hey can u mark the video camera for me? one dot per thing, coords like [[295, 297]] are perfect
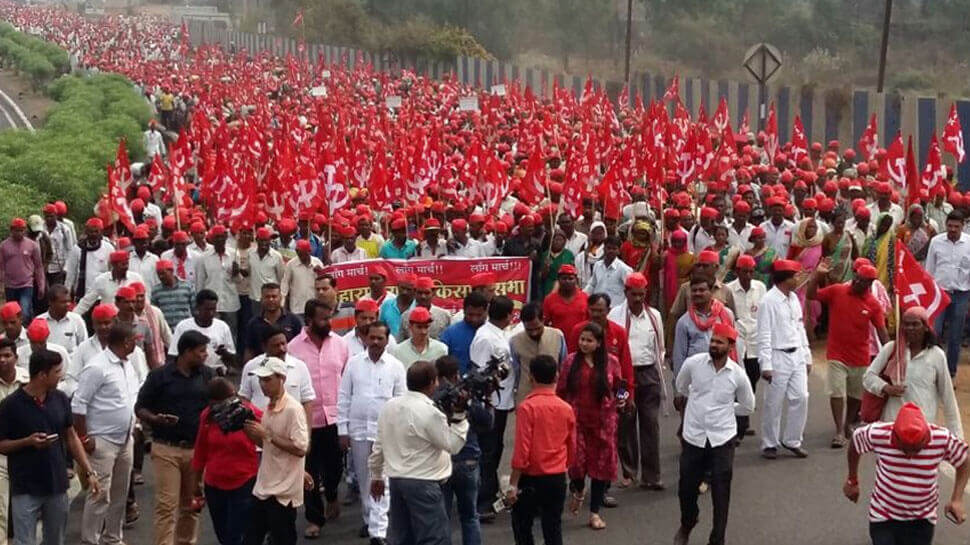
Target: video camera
[[230, 414], [478, 384]]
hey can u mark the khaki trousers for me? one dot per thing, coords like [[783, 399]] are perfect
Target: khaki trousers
[[175, 524]]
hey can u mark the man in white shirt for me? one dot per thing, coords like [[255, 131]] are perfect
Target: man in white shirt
[[370, 379], [107, 283], [141, 260], [574, 239], [412, 450], [154, 143], [298, 277], [298, 382], [222, 349], [216, 270], [460, 244], [884, 204], [707, 386], [88, 258], [778, 230], [265, 264], [748, 293], [645, 332], [67, 327], [365, 313], [948, 260], [491, 342], [348, 250], [38, 333], [104, 417], [609, 274], [182, 258], [785, 360]]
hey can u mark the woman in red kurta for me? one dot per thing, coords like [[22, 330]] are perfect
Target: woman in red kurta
[[591, 382]]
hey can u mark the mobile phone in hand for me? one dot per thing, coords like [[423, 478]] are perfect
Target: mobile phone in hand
[[51, 437]]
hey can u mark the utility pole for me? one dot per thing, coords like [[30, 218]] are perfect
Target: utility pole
[[885, 45], [629, 31]]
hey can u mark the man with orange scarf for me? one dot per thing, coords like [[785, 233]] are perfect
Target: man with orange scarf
[[692, 334]]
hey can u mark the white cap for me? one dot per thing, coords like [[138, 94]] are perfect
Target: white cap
[[270, 366]]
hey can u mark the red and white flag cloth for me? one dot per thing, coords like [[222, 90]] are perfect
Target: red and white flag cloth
[[916, 287], [894, 167], [953, 136], [771, 134], [934, 173], [673, 92], [799, 143], [869, 141]]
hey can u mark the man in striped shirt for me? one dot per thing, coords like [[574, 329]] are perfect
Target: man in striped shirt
[[905, 498], [174, 297]]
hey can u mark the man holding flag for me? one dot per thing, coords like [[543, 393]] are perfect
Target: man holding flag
[[948, 262]]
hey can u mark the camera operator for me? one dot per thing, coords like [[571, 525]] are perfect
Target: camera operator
[[229, 461], [171, 401], [465, 475], [414, 441], [491, 342]]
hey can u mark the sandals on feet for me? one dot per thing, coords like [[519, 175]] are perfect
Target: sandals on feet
[[596, 523]]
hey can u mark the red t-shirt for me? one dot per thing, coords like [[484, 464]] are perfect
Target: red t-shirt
[[850, 316], [229, 459], [564, 315], [545, 433]]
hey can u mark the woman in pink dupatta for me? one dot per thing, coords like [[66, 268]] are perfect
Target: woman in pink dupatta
[[806, 248]]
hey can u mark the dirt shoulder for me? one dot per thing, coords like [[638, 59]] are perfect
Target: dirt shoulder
[[34, 104]]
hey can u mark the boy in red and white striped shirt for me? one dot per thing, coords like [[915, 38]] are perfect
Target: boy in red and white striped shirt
[[905, 498]]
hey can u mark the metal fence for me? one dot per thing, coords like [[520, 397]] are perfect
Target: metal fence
[[827, 114]]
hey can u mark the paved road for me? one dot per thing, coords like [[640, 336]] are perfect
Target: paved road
[[10, 118], [786, 501]]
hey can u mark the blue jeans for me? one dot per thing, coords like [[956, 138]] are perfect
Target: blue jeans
[[24, 296], [953, 318], [26, 510], [463, 485], [230, 511]]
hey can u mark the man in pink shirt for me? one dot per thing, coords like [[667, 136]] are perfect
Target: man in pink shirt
[[21, 268], [325, 354]]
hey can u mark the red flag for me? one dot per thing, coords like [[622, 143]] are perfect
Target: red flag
[[722, 117], [869, 141], [799, 144], [916, 287], [533, 187], [934, 173], [914, 188], [745, 128], [298, 20], [673, 92], [771, 134], [118, 200], [122, 167], [894, 167], [159, 175], [378, 184], [953, 136]]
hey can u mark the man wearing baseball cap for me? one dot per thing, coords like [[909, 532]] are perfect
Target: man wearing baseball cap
[[419, 345], [854, 311], [21, 268], [107, 283]]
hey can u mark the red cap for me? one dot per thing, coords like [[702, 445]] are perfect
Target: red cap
[[527, 221], [672, 213], [263, 233], [18, 223], [862, 212], [399, 223], [502, 228], [708, 257], [867, 272], [860, 262], [125, 292], [61, 207], [366, 305], [217, 231], [141, 233], [744, 262], [910, 429], [709, 213], [476, 218], [144, 193], [809, 204], [180, 237], [9, 310], [725, 331], [432, 223], [826, 205], [635, 280], [104, 311], [567, 269], [757, 232], [137, 205], [94, 223], [424, 283], [419, 315], [138, 287], [742, 207], [286, 226], [481, 280], [409, 279], [787, 265], [168, 222], [303, 245], [38, 330], [197, 227], [50, 208], [118, 256], [164, 264], [459, 224], [883, 188]]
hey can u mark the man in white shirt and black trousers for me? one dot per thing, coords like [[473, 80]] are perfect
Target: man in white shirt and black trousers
[[415, 441], [707, 387]]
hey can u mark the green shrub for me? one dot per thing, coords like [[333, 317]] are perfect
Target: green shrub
[[18, 201]]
